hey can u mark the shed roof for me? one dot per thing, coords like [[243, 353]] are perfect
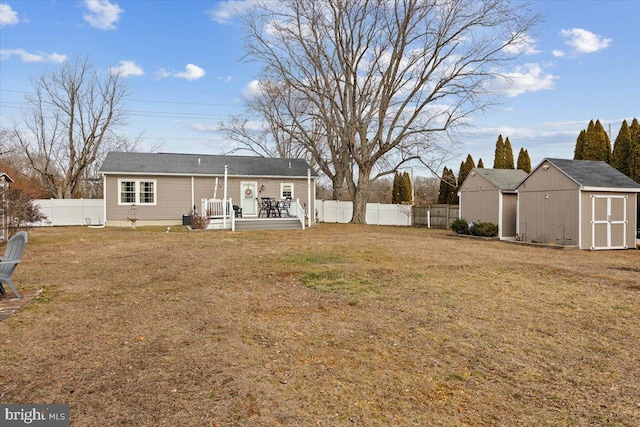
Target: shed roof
[[503, 179], [594, 174], [202, 164]]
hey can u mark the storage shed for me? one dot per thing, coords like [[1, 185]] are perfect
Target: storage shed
[[489, 195], [578, 202]]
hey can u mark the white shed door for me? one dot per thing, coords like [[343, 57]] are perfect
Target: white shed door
[[608, 222]]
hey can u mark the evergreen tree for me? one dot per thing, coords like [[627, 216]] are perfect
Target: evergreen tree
[[480, 164], [406, 188], [498, 158], [465, 168], [622, 150], [604, 143], [396, 197], [634, 158], [580, 144], [447, 194], [508, 155], [596, 144], [524, 162], [444, 190], [634, 130]]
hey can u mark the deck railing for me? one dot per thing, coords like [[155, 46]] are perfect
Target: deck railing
[[219, 209], [299, 212]]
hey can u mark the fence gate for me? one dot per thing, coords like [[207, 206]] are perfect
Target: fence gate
[[608, 222], [435, 216]]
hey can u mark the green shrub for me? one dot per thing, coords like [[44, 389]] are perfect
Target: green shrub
[[460, 226], [484, 229]]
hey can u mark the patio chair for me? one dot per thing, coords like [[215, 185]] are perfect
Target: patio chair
[[285, 206], [12, 254]]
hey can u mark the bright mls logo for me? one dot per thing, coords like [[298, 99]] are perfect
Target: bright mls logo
[[35, 415]]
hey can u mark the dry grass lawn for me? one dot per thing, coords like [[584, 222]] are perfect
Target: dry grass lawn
[[339, 325]]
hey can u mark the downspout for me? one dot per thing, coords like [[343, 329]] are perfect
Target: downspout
[[224, 215], [193, 193], [104, 203]]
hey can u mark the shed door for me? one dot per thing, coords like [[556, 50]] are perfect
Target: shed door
[[608, 222]]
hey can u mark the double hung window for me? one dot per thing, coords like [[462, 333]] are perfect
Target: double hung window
[[139, 192]]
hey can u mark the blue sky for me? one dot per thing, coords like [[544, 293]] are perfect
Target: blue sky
[[182, 63]]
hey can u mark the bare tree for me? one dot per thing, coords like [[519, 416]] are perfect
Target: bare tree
[[70, 124], [387, 80]]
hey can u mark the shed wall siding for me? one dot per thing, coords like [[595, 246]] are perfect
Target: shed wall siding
[[478, 200], [549, 216], [547, 180], [479, 206]]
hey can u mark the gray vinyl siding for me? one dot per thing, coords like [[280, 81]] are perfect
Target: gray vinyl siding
[[176, 196], [479, 200]]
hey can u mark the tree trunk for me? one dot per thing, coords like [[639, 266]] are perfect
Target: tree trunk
[[360, 193]]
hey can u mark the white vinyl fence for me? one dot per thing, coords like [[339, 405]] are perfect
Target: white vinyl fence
[[70, 211], [377, 213], [91, 211]]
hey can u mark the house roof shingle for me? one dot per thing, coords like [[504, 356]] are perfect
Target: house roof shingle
[[590, 173], [503, 179], [202, 164]]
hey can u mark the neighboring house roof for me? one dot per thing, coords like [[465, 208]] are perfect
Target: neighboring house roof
[[202, 164], [594, 174], [503, 179], [6, 177]]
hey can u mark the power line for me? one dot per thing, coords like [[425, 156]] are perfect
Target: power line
[[152, 101]]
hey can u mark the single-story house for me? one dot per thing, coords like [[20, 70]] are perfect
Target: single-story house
[[163, 188], [584, 203], [489, 195]]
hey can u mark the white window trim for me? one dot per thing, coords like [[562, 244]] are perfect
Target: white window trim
[[137, 192], [282, 184]]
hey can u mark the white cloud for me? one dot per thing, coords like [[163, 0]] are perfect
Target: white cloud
[[192, 72], [162, 73], [7, 15], [524, 44], [583, 41], [225, 11], [25, 56], [127, 68], [102, 14], [527, 78], [557, 53], [252, 90]]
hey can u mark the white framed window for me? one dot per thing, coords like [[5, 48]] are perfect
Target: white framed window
[[138, 191], [286, 190]]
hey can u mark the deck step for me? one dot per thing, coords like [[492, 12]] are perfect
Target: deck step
[[245, 224]]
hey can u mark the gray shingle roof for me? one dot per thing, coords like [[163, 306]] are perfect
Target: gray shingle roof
[[503, 179], [589, 173], [202, 164]]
